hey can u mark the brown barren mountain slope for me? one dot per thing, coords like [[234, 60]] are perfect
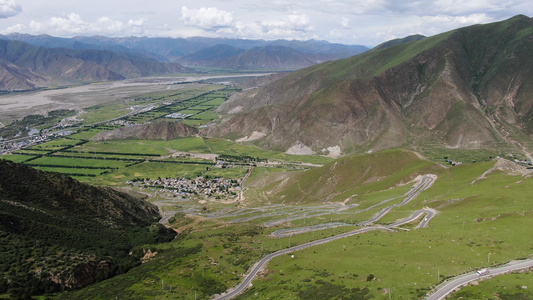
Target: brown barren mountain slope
[[468, 88], [159, 130]]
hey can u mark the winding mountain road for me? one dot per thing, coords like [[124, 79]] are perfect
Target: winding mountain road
[[463, 280], [424, 183]]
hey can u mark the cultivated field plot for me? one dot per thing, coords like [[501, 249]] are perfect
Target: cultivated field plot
[[190, 144], [77, 173], [35, 152], [57, 144], [225, 147], [126, 148], [192, 106], [153, 170], [155, 103], [17, 157], [52, 161], [86, 134]]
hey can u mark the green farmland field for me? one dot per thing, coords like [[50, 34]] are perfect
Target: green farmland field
[[121, 147], [78, 162]]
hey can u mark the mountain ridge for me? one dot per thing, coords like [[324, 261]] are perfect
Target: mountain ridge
[[29, 67], [196, 51], [438, 90]]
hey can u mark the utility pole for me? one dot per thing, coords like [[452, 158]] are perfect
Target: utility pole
[[488, 259]]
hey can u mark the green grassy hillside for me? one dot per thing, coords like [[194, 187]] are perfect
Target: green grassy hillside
[[57, 233], [344, 178], [481, 221]]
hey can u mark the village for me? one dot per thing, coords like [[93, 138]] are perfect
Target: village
[[201, 186], [7, 147]]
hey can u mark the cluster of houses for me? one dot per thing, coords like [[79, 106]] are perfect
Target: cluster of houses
[[137, 109], [8, 147], [123, 123], [178, 116], [201, 186]]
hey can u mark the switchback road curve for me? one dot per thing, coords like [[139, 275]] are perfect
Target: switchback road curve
[[424, 183]]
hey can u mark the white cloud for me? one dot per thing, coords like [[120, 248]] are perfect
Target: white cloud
[[8, 8], [293, 26], [345, 22], [137, 23], [298, 21], [35, 26], [326, 19], [15, 28], [71, 24], [106, 24], [206, 17], [461, 20]]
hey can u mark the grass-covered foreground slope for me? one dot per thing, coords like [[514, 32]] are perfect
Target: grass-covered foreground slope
[[343, 180], [479, 212], [57, 233], [484, 219]]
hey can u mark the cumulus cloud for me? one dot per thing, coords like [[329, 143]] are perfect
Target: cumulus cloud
[[106, 24], [206, 17], [137, 26], [298, 21], [292, 26], [73, 24], [69, 24], [137, 23], [15, 28], [9, 8]]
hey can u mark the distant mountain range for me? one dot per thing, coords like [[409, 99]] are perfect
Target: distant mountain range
[[26, 67], [467, 88], [28, 62]]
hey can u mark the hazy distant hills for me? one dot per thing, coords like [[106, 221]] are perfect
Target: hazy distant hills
[[207, 52], [277, 55], [25, 67], [467, 88], [259, 58]]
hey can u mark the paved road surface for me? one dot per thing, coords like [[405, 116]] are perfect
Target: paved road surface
[[424, 183], [462, 280]]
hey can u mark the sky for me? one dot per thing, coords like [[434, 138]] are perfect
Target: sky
[[355, 22]]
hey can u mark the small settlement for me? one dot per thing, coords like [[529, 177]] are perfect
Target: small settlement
[[201, 186]]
